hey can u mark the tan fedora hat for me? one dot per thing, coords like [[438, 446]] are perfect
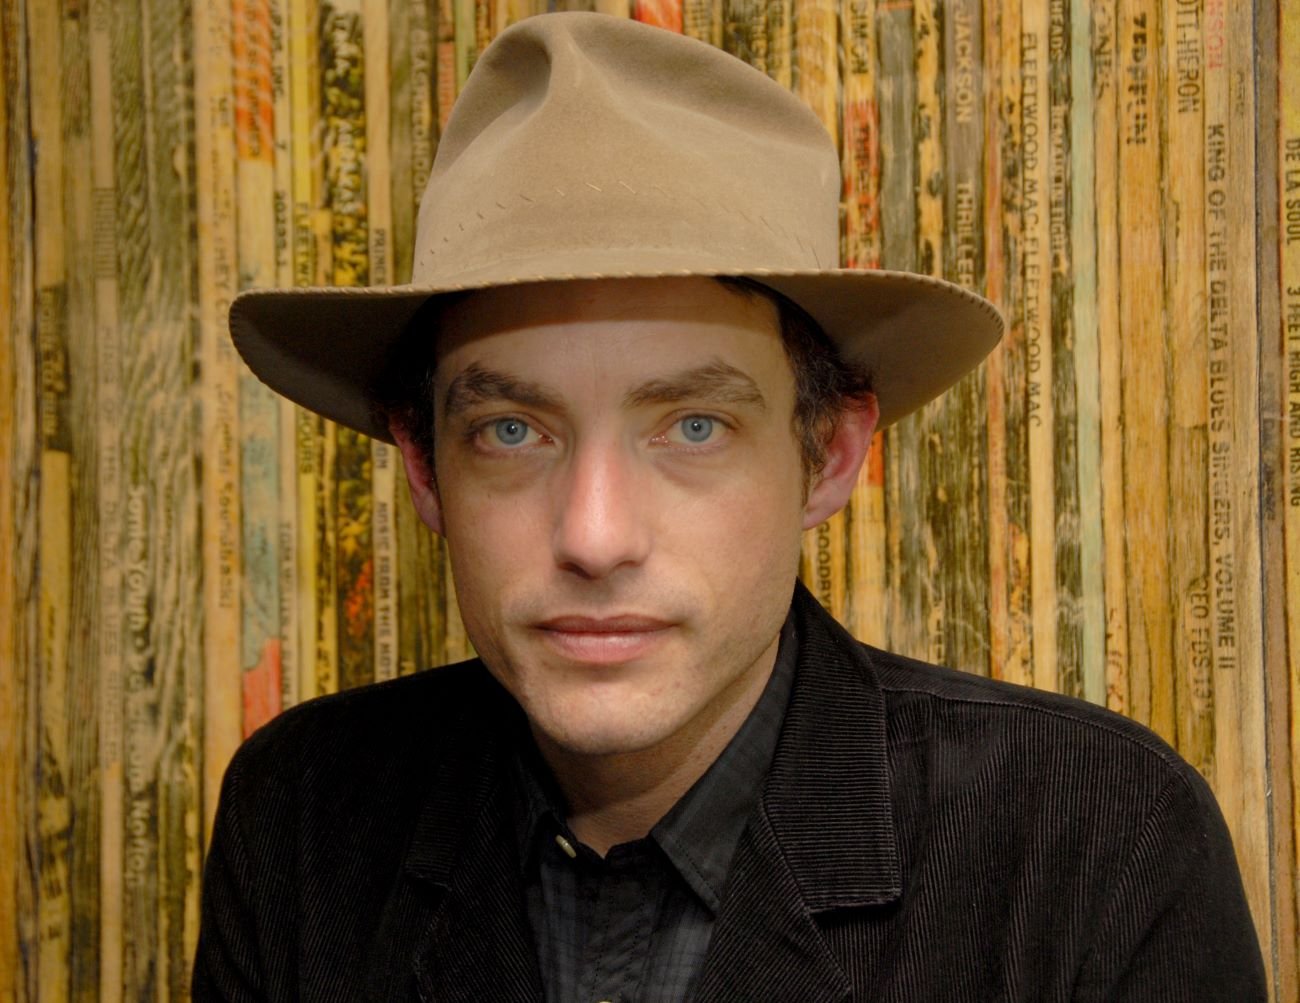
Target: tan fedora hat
[[591, 146]]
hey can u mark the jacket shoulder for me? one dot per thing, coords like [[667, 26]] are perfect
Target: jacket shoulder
[[383, 737], [1022, 739]]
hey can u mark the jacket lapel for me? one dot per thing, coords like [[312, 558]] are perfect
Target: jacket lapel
[[474, 941], [823, 837]]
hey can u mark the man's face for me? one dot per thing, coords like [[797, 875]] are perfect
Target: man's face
[[621, 492]]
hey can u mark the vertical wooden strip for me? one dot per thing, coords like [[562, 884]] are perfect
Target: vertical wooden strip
[[54, 905], [343, 72], [1145, 397], [109, 402], [1233, 356], [84, 670], [1063, 391], [1279, 784], [219, 389], [779, 29], [816, 51], [183, 612], [995, 285], [311, 265], [447, 80], [417, 575], [286, 242], [815, 78], [1184, 299], [1272, 368], [703, 19], [1286, 705], [19, 459], [745, 31], [163, 555], [259, 409], [1083, 240], [860, 167], [1106, 96], [929, 139], [1009, 494], [1037, 313], [383, 461], [465, 38], [897, 96], [142, 915]]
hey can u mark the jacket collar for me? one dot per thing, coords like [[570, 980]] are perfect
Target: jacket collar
[[822, 838], [828, 795]]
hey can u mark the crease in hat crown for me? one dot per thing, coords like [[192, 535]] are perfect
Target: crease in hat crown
[[591, 146], [579, 147]]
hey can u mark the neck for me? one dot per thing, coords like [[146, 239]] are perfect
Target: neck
[[618, 797]]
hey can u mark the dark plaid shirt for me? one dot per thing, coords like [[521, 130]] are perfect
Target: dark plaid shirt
[[636, 925]]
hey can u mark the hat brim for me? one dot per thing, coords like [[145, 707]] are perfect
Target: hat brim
[[327, 348]]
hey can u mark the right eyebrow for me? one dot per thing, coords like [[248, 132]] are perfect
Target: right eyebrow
[[477, 384]]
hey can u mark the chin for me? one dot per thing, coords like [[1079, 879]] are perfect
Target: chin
[[600, 733]]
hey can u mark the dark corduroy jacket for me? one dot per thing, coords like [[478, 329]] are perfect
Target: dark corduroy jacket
[[923, 835]]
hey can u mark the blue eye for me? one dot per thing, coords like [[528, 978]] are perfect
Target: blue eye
[[510, 431], [696, 428]]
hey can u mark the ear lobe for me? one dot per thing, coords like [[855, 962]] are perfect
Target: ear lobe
[[845, 453], [420, 478]]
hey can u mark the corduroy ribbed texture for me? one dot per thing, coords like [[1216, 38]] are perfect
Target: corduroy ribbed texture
[[923, 835]]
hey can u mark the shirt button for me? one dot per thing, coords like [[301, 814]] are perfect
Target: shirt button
[[569, 851]]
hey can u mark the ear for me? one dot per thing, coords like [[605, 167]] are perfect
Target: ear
[[845, 453], [419, 475]]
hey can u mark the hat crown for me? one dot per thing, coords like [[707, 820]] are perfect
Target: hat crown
[[589, 144]]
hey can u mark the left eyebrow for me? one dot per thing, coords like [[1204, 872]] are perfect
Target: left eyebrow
[[714, 382]]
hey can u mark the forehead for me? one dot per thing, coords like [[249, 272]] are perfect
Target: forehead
[[608, 326]]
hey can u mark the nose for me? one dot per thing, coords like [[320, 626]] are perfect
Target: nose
[[600, 522]]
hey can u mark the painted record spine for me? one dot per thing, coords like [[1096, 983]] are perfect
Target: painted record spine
[[1144, 394], [665, 14], [219, 399], [259, 408], [161, 444], [932, 587], [959, 493], [1247, 728], [897, 103], [19, 466], [350, 507], [44, 431], [1272, 405], [286, 243], [82, 428], [703, 19], [745, 31], [814, 77], [1287, 748], [1036, 293], [379, 212], [1184, 306]]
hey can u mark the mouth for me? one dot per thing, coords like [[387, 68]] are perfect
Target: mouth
[[603, 640]]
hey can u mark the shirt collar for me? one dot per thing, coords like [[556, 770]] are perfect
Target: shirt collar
[[700, 833]]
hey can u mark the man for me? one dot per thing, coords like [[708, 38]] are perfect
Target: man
[[626, 378]]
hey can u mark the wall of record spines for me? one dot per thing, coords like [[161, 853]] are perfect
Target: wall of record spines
[[1110, 507]]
